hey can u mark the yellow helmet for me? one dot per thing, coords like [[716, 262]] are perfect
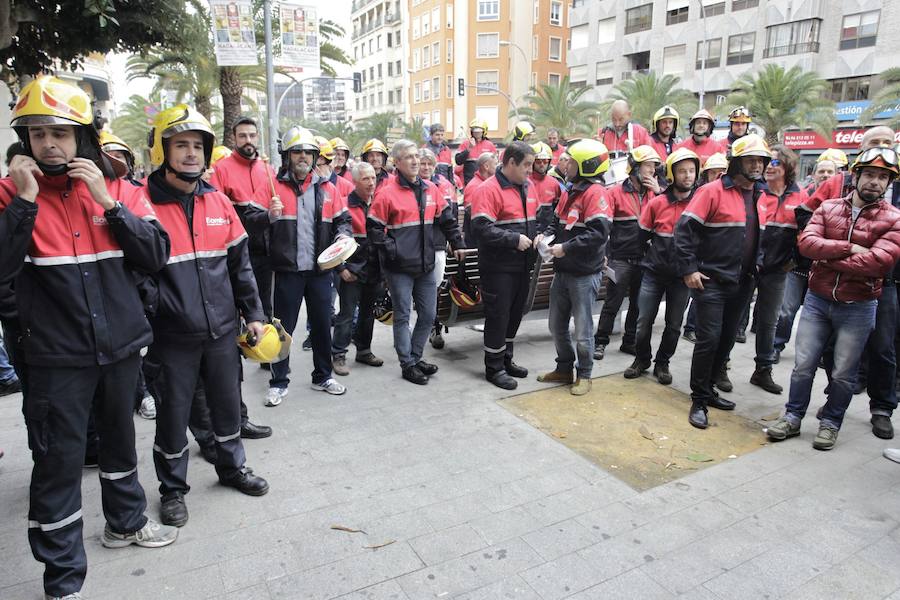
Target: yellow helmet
[[110, 142], [326, 150], [702, 114], [339, 144], [51, 101], [749, 145], [678, 156], [838, 157], [218, 153], [298, 138], [521, 131], [174, 120], [666, 112], [739, 115], [591, 156], [542, 151], [374, 145], [715, 161], [273, 346], [642, 154], [477, 123]]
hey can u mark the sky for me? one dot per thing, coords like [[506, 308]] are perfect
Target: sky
[[334, 10]]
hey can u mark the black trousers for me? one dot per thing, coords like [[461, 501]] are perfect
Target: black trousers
[[627, 285], [503, 295], [200, 422], [262, 271], [57, 407], [174, 368]]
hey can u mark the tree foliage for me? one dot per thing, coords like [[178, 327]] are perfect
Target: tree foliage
[[560, 106], [779, 99], [133, 123], [885, 99], [377, 125], [646, 93]]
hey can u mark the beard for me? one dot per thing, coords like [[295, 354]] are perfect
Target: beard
[[300, 171], [247, 150], [870, 195]]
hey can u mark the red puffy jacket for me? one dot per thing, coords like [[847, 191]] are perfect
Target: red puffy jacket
[[838, 274]]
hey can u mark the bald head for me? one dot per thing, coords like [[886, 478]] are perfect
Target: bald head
[[880, 136], [620, 114]]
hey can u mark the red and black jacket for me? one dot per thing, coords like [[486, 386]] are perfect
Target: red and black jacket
[[466, 156], [248, 184], [501, 212], [468, 195], [836, 186], [548, 193], [557, 152], [364, 262], [625, 239], [710, 233], [664, 149], [704, 149], [343, 186], [332, 219], [658, 220], [581, 224], [448, 191], [444, 159], [208, 277], [401, 224], [72, 265], [617, 144], [778, 243]]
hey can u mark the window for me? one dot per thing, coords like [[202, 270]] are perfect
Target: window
[[397, 69], [606, 31], [639, 18], [436, 88], [850, 89], [859, 30], [436, 53], [677, 11], [379, 70], [535, 51], [389, 38], [711, 8], [740, 49], [488, 10], [391, 97], [397, 38], [416, 24], [553, 78], [491, 114], [674, 60], [487, 81], [378, 43], [578, 75], [792, 38], [426, 56], [449, 50], [370, 46], [533, 79], [742, 4], [380, 98], [713, 54], [426, 24], [426, 90], [355, 53], [555, 12], [357, 104], [449, 87], [555, 49], [436, 19], [390, 69], [580, 36], [487, 45], [363, 73], [416, 61], [372, 73], [436, 116], [604, 74], [449, 16]]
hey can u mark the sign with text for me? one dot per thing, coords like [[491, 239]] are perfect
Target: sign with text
[[233, 32], [840, 138], [299, 39], [850, 111]]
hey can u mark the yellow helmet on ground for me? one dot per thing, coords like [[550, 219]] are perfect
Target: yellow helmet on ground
[[715, 161], [838, 157], [174, 120], [326, 150], [477, 123], [882, 158], [111, 142], [642, 154], [678, 156], [218, 153], [542, 151], [339, 144], [51, 101], [273, 346], [374, 145], [666, 112], [740, 115], [521, 131], [591, 156]]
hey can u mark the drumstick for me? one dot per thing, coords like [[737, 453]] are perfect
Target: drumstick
[[265, 159]]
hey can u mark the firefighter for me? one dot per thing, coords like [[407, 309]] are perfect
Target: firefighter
[[700, 141], [325, 169], [195, 322], [738, 124], [473, 147], [556, 147], [546, 188], [71, 235], [622, 135], [523, 132], [116, 147], [375, 153], [441, 151], [665, 131], [341, 158], [485, 165], [714, 167], [504, 220]]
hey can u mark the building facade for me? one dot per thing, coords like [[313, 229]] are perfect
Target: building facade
[[499, 48], [378, 45]]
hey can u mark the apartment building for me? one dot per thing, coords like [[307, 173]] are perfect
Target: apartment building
[[377, 47], [499, 48]]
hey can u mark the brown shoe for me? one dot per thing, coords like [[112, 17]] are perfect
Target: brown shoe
[[339, 365], [369, 359], [556, 377], [581, 386]]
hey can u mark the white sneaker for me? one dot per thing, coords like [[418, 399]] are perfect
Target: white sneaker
[[892, 454], [275, 395], [329, 385], [148, 408], [151, 535], [75, 596]]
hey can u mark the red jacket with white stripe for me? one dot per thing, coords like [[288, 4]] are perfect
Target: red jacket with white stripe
[[448, 191], [466, 156], [73, 268], [557, 152], [248, 184], [364, 262], [342, 185], [705, 149], [658, 220], [548, 193], [625, 240], [581, 225], [501, 212], [208, 273], [778, 243], [619, 143], [662, 148]]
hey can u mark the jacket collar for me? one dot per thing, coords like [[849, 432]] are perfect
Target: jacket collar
[[240, 158], [161, 192], [506, 183], [670, 195], [436, 149], [355, 201], [412, 185], [758, 186]]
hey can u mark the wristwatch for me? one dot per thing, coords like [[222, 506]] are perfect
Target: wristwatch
[[114, 209]]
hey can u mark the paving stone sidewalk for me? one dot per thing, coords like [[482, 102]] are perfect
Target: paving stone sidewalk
[[467, 501]]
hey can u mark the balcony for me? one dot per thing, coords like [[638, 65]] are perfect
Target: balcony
[[631, 74], [790, 49]]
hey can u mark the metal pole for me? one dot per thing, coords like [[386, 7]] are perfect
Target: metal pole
[[496, 91], [270, 88], [703, 56]]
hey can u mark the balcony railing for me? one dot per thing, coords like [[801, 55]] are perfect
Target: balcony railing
[[633, 72], [791, 49]]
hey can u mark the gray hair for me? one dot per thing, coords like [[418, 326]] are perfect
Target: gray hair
[[401, 146], [361, 169], [483, 159], [426, 154]]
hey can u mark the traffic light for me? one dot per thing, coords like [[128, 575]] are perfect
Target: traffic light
[[357, 82], [462, 87]]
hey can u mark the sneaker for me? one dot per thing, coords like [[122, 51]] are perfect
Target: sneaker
[[882, 427], [151, 535], [10, 387], [75, 596], [307, 344], [275, 395], [599, 351], [690, 336], [636, 369], [436, 339], [826, 438], [782, 429], [148, 408], [329, 385], [662, 374], [556, 377], [762, 377], [581, 386], [339, 365], [892, 454]]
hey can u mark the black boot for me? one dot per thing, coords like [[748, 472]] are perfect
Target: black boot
[[514, 370], [662, 374], [762, 377], [246, 482], [721, 381], [636, 369], [502, 380]]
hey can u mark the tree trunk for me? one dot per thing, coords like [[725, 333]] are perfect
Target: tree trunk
[[204, 106], [231, 88]]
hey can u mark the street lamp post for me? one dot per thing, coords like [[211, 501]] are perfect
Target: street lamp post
[[497, 91], [517, 47]]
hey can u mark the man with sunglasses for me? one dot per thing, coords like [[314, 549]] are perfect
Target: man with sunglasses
[[855, 242]]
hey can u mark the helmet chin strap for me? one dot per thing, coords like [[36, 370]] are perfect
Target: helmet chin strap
[[187, 177], [52, 170]]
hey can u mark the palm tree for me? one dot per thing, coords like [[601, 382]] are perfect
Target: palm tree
[[885, 99], [561, 107], [133, 123], [646, 93], [779, 99], [328, 52], [377, 125]]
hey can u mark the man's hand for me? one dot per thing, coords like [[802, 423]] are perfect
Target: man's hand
[[695, 280], [255, 328], [86, 171], [276, 207], [22, 170], [524, 243], [347, 276], [557, 251], [471, 142], [651, 184], [857, 249], [537, 239], [460, 255]]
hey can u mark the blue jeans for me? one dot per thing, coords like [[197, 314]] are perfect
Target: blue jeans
[[851, 325], [653, 287], [7, 373], [406, 289], [882, 367], [571, 298], [769, 295], [795, 287]]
